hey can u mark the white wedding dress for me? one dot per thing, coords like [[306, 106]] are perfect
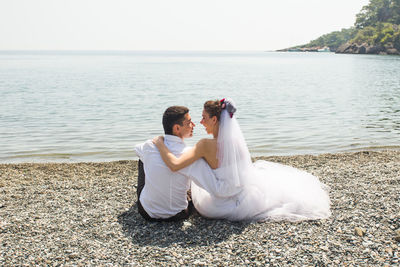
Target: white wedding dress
[[258, 191], [274, 192]]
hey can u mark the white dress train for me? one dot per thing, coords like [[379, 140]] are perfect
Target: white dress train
[[274, 192]]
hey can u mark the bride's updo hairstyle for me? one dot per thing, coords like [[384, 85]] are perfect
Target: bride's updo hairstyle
[[213, 108]]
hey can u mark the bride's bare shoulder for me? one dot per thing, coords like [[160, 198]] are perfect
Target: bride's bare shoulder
[[208, 146], [207, 142]]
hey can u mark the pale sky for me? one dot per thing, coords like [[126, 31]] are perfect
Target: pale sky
[[170, 24]]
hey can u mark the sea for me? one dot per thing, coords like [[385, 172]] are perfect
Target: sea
[[94, 106]]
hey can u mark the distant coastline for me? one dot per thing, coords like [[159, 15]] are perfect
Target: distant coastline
[[348, 48], [375, 31], [307, 49]]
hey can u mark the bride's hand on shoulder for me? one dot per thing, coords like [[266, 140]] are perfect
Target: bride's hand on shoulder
[[158, 140]]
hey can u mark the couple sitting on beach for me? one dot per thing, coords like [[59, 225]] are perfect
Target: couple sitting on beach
[[219, 174]]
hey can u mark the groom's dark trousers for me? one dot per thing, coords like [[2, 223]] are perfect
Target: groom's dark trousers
[[141, 182]]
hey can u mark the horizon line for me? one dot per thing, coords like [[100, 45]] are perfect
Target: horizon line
[[136, 50]]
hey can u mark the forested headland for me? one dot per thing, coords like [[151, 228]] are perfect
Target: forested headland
[[376, 31]]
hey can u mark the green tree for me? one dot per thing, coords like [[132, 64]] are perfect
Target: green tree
[[383, 34], [378, 11], [396, 40], [395, 10], [378, 23], [333, 40], [365, 35]]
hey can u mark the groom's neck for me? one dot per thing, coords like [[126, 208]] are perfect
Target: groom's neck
[[173, 134], [181, 137], [178, 135]]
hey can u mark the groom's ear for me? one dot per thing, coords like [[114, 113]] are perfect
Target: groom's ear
[[175, 129]]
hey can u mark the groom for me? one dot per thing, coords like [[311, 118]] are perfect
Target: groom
[[162, 194]]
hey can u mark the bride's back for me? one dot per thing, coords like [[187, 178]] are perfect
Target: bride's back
[[210, 151]]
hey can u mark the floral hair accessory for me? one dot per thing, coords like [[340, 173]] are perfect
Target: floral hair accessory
[[222, 101], [229, 105]]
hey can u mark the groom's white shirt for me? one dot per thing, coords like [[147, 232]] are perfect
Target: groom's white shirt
[[164, 192]]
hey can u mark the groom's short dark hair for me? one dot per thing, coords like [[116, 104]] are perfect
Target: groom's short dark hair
[[173, 115]]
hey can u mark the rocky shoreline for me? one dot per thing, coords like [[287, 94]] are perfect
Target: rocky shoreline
[[85, 214], [349, 48], [353, 48]]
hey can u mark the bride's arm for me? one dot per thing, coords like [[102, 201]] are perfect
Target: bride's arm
[[187, 158]]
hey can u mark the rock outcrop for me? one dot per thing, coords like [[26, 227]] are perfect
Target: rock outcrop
[[352, 48]]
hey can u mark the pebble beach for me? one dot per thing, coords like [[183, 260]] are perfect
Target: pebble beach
[[80, 214]]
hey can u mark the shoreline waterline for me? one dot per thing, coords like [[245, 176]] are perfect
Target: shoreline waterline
[[77, 158]]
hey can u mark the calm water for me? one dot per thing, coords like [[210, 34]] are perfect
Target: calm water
[[95, 106]]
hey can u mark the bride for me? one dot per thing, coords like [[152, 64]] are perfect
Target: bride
[[251, 191]]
